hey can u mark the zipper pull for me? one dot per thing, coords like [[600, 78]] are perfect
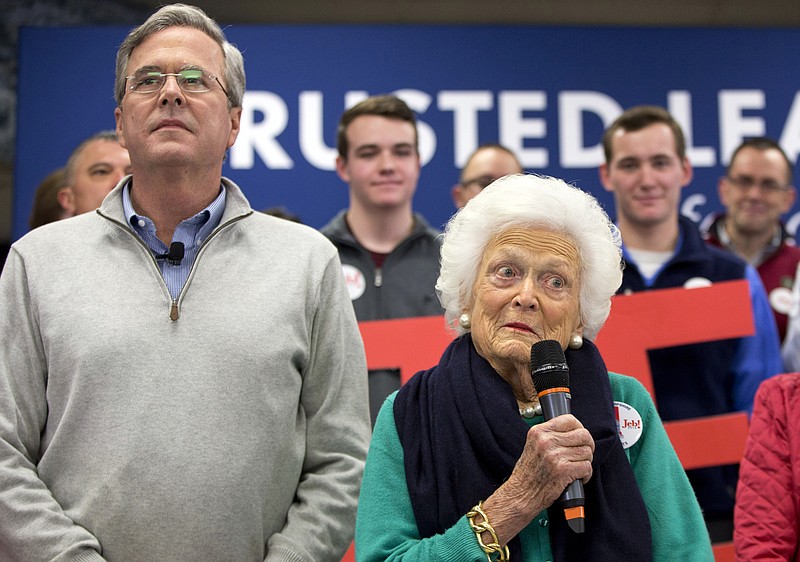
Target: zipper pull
[[174, 314], [378, 277]]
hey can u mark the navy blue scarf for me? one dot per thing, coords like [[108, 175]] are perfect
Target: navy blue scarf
[[462, 434]]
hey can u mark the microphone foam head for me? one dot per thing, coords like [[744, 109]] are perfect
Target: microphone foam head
[[548, 366]]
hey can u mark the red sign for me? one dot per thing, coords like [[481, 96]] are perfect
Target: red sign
[[638, 322]]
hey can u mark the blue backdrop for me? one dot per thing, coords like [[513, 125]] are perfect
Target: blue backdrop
[[547, 93]]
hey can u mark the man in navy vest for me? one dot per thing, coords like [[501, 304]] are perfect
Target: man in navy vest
[[646, 168]]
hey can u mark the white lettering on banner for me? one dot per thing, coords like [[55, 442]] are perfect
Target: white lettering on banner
[[517, 127], [790, 138], [261, 137], [352, 98], [571, 108], [690, 205], [734, 127], [679, 104], [419, 101], [465, 107], [311, 123], [312, 144], [692, 209], [793, 223]]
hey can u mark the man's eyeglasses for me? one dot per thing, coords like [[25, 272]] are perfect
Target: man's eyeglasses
[[480, 182], [745, 183], [190, 80]]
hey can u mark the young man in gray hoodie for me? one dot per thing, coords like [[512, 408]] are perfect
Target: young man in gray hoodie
[[389, 253]]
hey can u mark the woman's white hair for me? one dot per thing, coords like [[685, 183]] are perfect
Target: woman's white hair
[[536, 202]]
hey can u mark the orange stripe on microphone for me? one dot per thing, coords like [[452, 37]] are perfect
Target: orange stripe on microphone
[[556, 389], [574, 513]]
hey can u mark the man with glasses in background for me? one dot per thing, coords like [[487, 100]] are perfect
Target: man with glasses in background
[[486, 164], [181, 378], [756, 192]]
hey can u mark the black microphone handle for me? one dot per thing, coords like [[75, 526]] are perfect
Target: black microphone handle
[[572, 499], [554, 404]]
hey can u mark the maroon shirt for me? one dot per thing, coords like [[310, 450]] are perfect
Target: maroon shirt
[[777, 269]]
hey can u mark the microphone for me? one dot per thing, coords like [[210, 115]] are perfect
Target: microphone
[[175, 254], [551, 378]]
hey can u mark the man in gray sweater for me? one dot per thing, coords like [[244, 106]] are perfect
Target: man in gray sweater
[[180, 378]]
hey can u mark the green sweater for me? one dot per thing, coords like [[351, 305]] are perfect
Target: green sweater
[[386, 528]]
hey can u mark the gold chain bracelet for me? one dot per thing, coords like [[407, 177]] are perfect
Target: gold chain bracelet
[[480, 528]]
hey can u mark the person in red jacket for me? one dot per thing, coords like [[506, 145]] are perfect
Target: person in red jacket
[[767, 512]]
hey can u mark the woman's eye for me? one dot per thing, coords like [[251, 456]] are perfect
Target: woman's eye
[[556, 283], [506, 271]]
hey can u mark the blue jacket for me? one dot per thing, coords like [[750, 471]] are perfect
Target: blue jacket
[[714, 377]]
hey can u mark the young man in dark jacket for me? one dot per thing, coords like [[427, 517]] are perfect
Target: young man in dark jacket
[[389, 253], [646, 168]]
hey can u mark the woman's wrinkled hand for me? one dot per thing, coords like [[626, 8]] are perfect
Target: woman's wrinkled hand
[[557, 452]]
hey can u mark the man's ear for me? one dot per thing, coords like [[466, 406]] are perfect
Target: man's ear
[[236, 124], [688, 172], [605, 180], [119, 129], [789, 199], [722, 191], [341, 169], [457, 193], [66, 198]]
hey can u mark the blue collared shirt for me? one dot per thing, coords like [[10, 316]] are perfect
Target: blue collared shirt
[[192, 232]]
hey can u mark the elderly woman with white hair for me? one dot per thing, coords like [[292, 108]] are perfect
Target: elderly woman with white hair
[[464, 466]]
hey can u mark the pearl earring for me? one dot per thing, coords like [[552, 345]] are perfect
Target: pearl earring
[[576, 341], [464, 321]]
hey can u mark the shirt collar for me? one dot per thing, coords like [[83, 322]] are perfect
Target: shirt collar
[[771, 247], [192, 231]]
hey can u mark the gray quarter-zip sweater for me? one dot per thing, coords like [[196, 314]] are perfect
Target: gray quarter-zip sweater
[[229, 425]]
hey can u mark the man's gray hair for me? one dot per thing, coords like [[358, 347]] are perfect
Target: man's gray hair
[[182, 15], [536, 202]]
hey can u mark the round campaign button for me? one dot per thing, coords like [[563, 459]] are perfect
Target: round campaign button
[[697, 283], [355, 281], [780, 298], [629, 424]]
